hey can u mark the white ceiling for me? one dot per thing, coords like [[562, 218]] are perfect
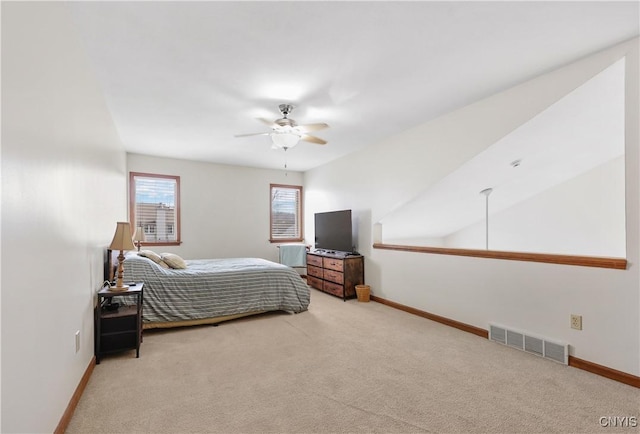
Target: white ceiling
[[182, 78]]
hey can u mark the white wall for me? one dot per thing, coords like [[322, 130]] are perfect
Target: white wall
[[530, 296], [224, 209], [582, 216], [63, 173]]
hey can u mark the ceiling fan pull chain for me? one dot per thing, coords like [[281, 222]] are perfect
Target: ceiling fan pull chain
[[285, 162]]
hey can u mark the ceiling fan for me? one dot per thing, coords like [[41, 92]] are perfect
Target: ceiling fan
[[286, 133]]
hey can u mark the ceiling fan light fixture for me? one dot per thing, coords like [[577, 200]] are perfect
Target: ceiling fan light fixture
[[284, 139], [286, 133]]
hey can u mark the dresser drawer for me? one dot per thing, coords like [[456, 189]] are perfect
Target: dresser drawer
[[315, 282], [333, 264], [314, 271], [314, 260], [333, 288], [334, 276]]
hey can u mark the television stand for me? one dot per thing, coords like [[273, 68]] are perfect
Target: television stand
[[336, 273]]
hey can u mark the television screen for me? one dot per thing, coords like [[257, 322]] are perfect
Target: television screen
[[333, 231]]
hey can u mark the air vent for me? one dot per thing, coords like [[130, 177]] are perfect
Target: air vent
[[498, 334], [534, 345], [515, 339], [549, 349], [557, 352]]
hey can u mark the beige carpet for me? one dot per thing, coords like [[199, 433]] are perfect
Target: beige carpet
[[341, 367]]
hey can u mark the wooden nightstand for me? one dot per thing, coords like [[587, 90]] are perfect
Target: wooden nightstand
[[119, 329]]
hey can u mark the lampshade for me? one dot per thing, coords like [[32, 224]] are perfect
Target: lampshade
[[139, 234], [285, 139], [122, 238]]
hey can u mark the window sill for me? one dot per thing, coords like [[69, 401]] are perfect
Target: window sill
[[292, 240], [584, 261], [168, 243]]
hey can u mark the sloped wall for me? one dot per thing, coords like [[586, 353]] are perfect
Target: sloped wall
[[582, 216], [580, 131]]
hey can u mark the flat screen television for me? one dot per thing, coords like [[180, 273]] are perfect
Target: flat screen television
[[334, 231]]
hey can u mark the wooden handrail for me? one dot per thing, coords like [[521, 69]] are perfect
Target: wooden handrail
[[584, 261]]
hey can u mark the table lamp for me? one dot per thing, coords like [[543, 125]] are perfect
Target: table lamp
[[138, 237], [121, 241]]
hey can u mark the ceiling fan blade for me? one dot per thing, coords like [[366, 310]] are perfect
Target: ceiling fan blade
[[312, 127], [251, 134], [267, 122], [313, 139]]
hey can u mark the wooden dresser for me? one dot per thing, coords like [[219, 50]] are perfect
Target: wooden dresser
[[335, 274]]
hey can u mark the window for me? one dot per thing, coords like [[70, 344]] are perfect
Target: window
[[286, 213], [154, 204]]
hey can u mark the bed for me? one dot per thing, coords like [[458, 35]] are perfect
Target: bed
[[213, 290]]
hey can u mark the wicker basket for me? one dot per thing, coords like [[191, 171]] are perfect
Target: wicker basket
[[363, 292]]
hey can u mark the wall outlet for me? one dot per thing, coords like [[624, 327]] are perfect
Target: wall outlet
[[77, 341], [576, 322]]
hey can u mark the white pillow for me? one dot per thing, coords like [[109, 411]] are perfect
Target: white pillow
[[174, 261], [151, 255], [154, 257]]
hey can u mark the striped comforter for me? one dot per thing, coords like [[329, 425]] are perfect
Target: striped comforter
[[210, 288]]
